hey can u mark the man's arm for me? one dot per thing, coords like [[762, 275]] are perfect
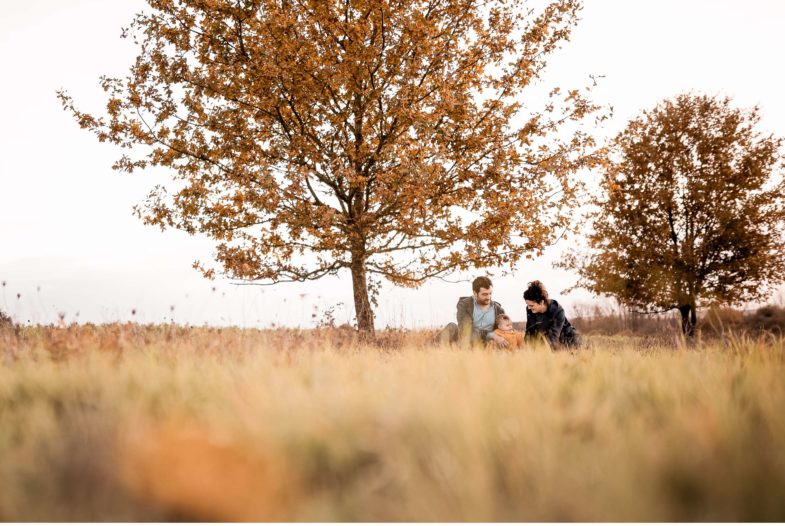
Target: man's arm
[[465, 319], [489, 335]]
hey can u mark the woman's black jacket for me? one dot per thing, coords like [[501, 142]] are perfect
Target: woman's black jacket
[[553, 325]]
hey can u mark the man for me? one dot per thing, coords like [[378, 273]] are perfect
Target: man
[[476, 317]]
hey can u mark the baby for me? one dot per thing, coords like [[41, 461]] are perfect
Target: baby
[[505, 330]]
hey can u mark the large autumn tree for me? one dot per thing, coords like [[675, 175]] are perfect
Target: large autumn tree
[[386, 137], [690, 210]]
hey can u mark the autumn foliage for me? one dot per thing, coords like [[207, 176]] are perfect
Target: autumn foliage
[[388, 138], [690, 211]]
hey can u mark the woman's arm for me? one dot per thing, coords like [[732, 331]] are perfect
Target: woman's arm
[[557, 323], [530, 323]]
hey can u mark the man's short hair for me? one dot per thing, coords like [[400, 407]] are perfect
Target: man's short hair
[[483, 282]]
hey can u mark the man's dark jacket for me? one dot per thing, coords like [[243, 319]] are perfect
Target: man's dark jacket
[[465, 315], [553, 325]]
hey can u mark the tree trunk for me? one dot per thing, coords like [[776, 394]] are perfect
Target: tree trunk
[[689, 318], [362, 305]]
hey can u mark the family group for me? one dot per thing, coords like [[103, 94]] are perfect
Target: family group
[[482, 321]]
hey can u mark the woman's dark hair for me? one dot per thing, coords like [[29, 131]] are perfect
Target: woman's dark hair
[[483, 282], [536, 292]]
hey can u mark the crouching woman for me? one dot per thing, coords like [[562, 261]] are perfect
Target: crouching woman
[[545, 318]]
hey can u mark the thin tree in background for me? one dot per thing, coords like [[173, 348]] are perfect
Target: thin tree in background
[[390, 138], [690, 210]]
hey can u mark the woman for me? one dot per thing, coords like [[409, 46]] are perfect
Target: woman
[[545, 317]]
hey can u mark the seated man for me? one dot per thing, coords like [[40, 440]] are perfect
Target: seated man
[[476, 318]]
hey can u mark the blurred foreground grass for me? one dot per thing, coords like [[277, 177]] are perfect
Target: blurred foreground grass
[[124, 422]]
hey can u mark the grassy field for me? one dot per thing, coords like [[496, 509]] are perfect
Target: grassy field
[[124, 422]]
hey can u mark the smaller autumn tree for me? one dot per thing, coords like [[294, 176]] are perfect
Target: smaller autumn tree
[[690, 210]]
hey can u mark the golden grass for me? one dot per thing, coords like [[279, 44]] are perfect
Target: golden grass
[[125, 422]]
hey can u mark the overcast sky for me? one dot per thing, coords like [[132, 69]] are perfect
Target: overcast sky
[[69, 243]]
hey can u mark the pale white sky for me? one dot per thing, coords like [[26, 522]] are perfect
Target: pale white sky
[[68, 241]]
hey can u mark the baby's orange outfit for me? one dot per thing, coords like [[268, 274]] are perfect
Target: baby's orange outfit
[[514, 338]]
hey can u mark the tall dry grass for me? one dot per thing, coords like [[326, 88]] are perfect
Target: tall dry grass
[[125, 422]]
